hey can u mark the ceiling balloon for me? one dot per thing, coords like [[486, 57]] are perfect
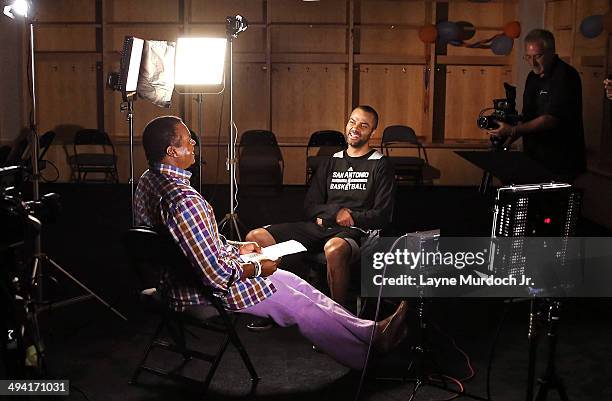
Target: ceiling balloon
[[592, 26], [428, 33], [512, 29], [502, 45], [448, 31]]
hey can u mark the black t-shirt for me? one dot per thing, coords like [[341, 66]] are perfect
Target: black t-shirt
[[559, 94], [365, 184]]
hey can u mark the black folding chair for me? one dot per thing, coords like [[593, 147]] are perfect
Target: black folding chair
[[408, 169], [328, 142], [94, 153], [151, 253], [260, 161]]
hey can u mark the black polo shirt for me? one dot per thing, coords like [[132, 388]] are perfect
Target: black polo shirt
[[559, 94]]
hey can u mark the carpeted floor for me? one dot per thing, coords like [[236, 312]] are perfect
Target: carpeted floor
[[89, 345]]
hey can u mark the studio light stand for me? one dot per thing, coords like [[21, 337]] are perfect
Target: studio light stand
[[235, 25], [200, 64], [38, 305], [420, 352], [126, 82], [528, 210]]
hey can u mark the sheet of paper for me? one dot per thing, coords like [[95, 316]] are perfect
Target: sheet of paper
[[277, 250]]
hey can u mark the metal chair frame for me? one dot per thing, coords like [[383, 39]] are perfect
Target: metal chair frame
[[401, 134], [93, 137], [149, 248]]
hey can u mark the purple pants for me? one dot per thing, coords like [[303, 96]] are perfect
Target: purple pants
[[321, 320]]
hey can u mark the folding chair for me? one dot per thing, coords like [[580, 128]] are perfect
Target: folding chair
[[260, 161], [151, 253], [98, 157], [328, 143], [410, 169]]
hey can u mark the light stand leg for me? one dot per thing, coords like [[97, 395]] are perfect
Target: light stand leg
[[80, 284], [551, 379], [232, 216], [420, 354], [532, 336]]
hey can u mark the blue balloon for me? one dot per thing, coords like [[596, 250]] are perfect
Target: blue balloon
[[502, 45], [592, 26], [448, 31]]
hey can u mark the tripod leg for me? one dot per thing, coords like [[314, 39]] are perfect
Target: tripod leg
[[413, 394], [83, 286], [235, 226], [533, 345]]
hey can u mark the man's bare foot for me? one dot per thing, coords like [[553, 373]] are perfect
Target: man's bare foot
[[392, 330]]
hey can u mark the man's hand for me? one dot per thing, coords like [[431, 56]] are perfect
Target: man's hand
[[504, 130], [249, 247], [344, 218]]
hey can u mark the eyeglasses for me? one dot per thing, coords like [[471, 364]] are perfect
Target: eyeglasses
[[535, 57]]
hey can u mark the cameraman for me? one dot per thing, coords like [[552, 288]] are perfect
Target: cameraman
[[552, 128]]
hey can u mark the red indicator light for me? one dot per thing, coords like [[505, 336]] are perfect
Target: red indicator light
[[547, 220]]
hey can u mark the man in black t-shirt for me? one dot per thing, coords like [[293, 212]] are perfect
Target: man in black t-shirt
[[350, 195], [552, 129]]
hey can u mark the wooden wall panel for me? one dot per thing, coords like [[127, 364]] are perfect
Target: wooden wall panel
[[144, 111], [489, 14], [307, 98], [592, 110], [215, 115], [469, 90], [66, 93], [215, 11], [65, 38], [249, 105], [559, 14], [66, 10], [385, 40], [396, 92], [454, 170], [563, 42], [329, 11], [298, 39], [143, 11], [117, 35], [392, 12], [295, 165], [249, 96]]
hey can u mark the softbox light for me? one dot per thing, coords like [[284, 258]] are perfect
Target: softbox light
[[130, 65], [200, 65]]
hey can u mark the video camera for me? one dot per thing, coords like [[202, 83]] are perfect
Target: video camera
[[20, 218], [21, 222], [504, 110]]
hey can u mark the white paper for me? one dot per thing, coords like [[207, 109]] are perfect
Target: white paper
[[276, 251]]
